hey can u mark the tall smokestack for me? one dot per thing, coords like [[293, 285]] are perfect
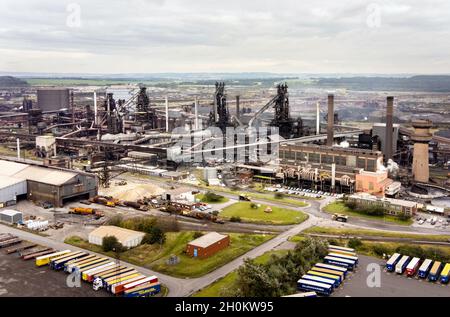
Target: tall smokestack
[[318, 119], [18, 148], [330, 127], [167, 114], [95, 109], [238, 107], [389, 129], [196, 114]]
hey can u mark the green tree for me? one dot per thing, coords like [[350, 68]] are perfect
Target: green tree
[[354, 243], [110, 243]]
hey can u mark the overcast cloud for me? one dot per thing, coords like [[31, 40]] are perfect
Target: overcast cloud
[[315, 36]]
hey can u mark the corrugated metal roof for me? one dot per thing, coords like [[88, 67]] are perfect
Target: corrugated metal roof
[[121, 234], [6, 181], [10, 213], [45, 175], [208, 239], [8, 168]]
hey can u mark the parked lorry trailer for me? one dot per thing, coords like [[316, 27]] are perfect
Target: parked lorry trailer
[[123, 279], [333, 267], [119, 289], [113, 269], [392, 262], [116, 278], [445, 274], [86, 274], [319, 279], [335, 278], [45, 259], [58, 263], [89, 265], [144, 290], [349, 264], [425, 268], [413, 267], [113, 273], [343, 256], [103, 283], [320, 288], [435, 272], [68, 267], [305, 294], [329, 271], [333, 248], [402, 264]]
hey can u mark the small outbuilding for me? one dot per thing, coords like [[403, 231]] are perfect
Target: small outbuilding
[[11, 216], [208, 245], [128, 238]]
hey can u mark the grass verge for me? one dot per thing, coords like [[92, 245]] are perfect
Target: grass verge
[[339, 207], [278, 216]]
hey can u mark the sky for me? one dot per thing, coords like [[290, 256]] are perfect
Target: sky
[[289, 36]]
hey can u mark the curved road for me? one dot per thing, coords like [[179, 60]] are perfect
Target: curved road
[[184, 287]]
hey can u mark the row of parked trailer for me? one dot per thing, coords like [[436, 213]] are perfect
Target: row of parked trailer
[[325, 277], [102, 272], [428, 269]]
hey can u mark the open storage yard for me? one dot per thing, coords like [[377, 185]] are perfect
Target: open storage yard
[[392, 285], [24, 279]]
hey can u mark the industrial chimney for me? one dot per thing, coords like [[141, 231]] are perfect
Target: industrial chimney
[[330, 127], [388, 148]]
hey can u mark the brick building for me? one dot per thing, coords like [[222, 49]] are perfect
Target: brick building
[[208, 245]]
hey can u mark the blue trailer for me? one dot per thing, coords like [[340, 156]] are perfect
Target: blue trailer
[[392, 262], [58, 263], [435, 272], [402, 264], [348, 264], [143, 290], [344, 256], [319, 279], [425, 268], [320, 288]]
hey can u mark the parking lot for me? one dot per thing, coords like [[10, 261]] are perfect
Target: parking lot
[[392, 285], [24, 279], [301, 192]]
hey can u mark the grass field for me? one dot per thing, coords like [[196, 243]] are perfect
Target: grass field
[[204, 199], [278, 216], [194, 267], [376, 233], [155, 256], [340, 208], [217, 288]]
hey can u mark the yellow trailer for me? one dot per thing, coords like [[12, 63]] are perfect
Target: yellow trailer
[[45, 259]]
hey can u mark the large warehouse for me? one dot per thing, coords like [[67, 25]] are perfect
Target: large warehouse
[[128, 238], [43, 184]]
